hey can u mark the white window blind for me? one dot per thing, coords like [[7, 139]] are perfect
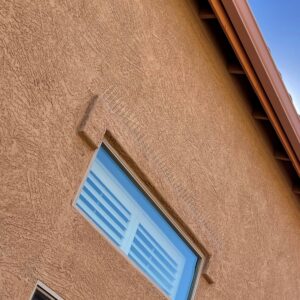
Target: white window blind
[[106, 202]]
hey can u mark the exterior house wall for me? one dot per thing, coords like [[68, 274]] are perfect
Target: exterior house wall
[[172, 106]]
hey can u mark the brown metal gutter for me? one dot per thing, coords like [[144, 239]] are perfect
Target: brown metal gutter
[[242, 31]]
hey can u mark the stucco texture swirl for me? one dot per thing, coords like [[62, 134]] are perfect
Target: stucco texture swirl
[[174, 108]]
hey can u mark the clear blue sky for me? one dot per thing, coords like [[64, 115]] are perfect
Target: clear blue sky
[[279, 21]]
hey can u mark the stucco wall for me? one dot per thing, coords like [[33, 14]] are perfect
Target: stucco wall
[[173, 107]]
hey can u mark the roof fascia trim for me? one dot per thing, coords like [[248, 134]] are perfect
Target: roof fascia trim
[[254, 44]]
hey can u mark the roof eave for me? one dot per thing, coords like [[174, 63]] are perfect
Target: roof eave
[[259, 54]]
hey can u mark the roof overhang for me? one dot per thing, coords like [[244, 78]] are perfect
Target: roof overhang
[[242, 31]]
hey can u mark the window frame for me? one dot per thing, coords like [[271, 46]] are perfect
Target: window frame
[[157, 204], [41, 286]]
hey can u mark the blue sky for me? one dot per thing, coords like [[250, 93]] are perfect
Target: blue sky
[[279, 21]]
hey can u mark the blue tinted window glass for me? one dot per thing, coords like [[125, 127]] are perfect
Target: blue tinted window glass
[[116, 205]]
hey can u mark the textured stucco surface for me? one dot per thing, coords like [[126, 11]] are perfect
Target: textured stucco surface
[[172, 106]]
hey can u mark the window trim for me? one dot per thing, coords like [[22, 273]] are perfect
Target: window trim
[[159, 206], [41, 286]]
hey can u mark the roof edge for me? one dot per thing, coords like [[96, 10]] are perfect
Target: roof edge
[[259, 54]]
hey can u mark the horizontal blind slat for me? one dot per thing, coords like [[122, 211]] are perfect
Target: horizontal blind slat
[[161, 282], [155, 252], [139, 244], [98, 219], [106, 179], [157, 246], [114, 221], [114, 202], [105, 205]]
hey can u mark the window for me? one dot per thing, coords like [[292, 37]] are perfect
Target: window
[[117, 206], [42, 292]]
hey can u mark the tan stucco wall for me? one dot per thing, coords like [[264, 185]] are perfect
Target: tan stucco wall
[[173, 107]]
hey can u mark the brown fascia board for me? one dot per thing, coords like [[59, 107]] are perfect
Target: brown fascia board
[[254, 80], [261, 59]]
